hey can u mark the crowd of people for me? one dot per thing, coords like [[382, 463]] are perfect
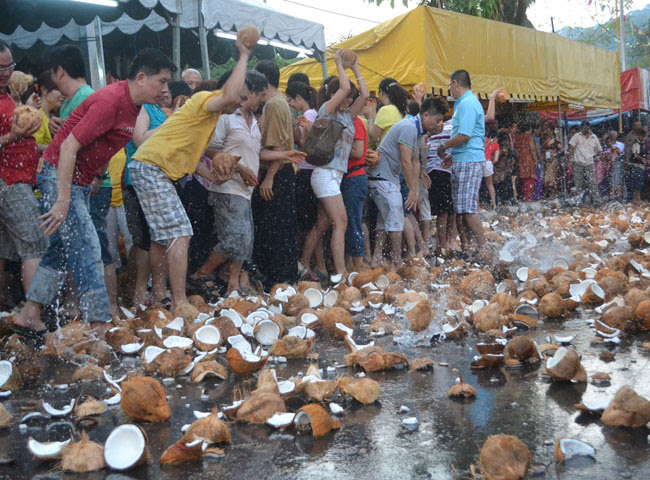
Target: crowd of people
[[213, 184]]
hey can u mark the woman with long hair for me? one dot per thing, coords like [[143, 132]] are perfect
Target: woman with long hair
[[50, 103], [395, 105], [341, 103]]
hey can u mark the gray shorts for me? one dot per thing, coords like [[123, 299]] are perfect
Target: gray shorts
[[388, 198], [20, 235], [162, 208], [233, 218]]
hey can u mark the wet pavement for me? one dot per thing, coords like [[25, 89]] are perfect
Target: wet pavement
[[372, 443]]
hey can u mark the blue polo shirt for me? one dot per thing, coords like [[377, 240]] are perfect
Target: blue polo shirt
[[468, 119]]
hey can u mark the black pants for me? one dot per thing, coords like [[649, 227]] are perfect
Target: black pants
[[195, 199], [275, 249], [503, 192]]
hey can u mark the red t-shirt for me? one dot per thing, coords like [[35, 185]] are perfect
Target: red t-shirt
[[18, 160], [103, 123], [359, 134], [491, 146]]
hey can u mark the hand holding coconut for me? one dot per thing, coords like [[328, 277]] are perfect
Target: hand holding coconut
[[26, 123], [247, 39], [499, 95]]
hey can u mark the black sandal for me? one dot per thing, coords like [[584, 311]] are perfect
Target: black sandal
[[31, 337]]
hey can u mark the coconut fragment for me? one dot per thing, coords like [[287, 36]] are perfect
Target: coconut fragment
[[207, 337], [627, 409], [126, 447], [462, 389], [314, 418], [565, 365], [82, 456], [143, 399], [56, 412], [46, 450], [504, 457], [565, 448], [281, 420], [175, 341]]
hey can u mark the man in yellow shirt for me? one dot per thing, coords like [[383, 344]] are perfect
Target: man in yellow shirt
[[172, 152]]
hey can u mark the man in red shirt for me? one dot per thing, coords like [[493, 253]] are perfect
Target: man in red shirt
[[78, 154], [20, 237]]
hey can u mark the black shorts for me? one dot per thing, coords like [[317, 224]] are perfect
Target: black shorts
[[440, 193]]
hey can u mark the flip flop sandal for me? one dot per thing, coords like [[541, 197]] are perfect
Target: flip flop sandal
[[31, 337]]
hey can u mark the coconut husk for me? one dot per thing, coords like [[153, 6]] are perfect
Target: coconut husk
[[377, 362], [82, 456], [393, 291], [488, 360], [567, 368], [319, 420], [101, 352], [88, 373], [118, 336], [249, 36], [363, 390], [75, 337], [226, 327], [242, 367], [458, 330], [333, 315], [157, 317], [5, 417], [634, 297], [266, 383], [348, 58], [14, 382], [642, 313], [520, 348], [627, 409], [462, 389], [143, 399], [367, 276], [90, 407], [207, 368], [169, 363], [517, 319], [180, 452], [507, 302], [488, 318], [296, 303], [292, 347], [186, 310], [552, 305], [490, 348], [504, 457], [420, 316], [319, 391], [348, 296], [260, 407], [357, 355], [478, 285], [211, 429], [421, 363]]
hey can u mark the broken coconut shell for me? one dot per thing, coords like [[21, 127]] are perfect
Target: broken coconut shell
[[420, 316], [521, 348], [292, 347], [627, 409], [504, 457], [565, 365], [244, 366], [210, 429], [566, 448], [82, 456], [182, 452], [319, 391], [552, 305], [90, 407], [363, 390], [314, 417], [462, 389], [143, 399], [422, 363], [126, 447], [260, 407], [208, 368]]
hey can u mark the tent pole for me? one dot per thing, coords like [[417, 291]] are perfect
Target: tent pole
[[96, 54], [564, 156], [203, 42], [176, 45]]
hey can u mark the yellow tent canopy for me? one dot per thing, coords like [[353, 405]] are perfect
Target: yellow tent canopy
[[427, 44]]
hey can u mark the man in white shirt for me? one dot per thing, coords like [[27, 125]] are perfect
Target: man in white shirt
[[583, 147]]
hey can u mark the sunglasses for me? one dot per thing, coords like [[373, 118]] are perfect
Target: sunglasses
[[11, 66]]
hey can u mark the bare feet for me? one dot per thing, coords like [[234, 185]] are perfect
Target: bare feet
[[30, 317]]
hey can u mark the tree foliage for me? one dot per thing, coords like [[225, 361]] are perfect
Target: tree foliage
[[508, 11]]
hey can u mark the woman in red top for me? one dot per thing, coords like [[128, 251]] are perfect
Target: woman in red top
[[491, 157], [528, 160], [354, 189]]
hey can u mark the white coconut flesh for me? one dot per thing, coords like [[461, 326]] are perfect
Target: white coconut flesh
[[151, 352], [286, 386], [388, 309], [257, 316], [637, 266], [565, 338], [572, 448], [357, 307], [382, 281], [280, 420], [158, 331], [522, 274], [448, 327], [45, 450], [605, 330], [561, 263], [344, 328], [250, 357], [202, 317], [335, 408], [127, 313], [114, 400], [596, 405], [375, 305], [578, 289], [124, 447], [336, 278], [506, 256], [174, 341], [310, 333], [589, 272], [58, 412], [330, 298], [557, 357], [176, 324], [299, 331], [198, 414], [351, 277], [6, 369], [240, 343], [502, 287], [131, 348], [527, 310], [275, 308], [370, 286], [314, 296], [302, 420], [308, 318], [478, 305], [233, 315], [208, 334], [267, 332]]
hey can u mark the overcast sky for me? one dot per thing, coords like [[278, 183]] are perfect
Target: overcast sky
[[566, 13]]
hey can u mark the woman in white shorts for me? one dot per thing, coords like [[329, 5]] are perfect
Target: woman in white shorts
[[340, 101], [491, 157]]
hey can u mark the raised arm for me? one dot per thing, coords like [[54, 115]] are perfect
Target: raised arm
[[344, 86]]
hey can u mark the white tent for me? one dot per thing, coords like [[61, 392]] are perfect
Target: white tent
[[218, 15]]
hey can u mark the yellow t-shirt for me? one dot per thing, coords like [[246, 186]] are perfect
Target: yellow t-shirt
[[177, 145], [42, 135], [387, 116], [115, 170]]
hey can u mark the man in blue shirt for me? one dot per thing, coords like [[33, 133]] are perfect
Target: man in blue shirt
[[467, 139]]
